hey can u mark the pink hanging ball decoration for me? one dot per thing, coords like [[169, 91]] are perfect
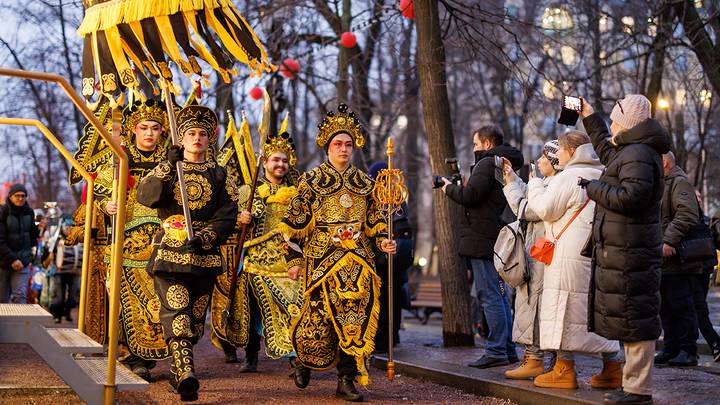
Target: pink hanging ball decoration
[[256, 93], [348, 40], [407, 9], [290, 68]]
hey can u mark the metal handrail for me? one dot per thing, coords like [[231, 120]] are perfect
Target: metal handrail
[[119, 238]]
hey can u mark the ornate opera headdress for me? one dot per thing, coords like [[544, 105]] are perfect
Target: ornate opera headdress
[[198, 116], [139, 111], [280, 143], [342, 121]]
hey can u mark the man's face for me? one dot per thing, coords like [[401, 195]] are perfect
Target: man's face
[[340, 150], [480, 145], [276, 165], [18, 199], [147, 135], [195, 140]]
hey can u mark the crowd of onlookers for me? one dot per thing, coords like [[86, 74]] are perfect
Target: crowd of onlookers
[[616, 250], [37, 263]]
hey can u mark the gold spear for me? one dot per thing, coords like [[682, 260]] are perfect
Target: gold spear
[[389, 194]]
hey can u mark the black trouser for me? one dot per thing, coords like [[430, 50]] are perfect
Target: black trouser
[[402, 261], [700, 284], [253, 345], [346, 365], [184, 299], [677, 313], [63, 295]]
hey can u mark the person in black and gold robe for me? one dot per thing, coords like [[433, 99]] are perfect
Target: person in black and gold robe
[[184, 270], [144, 123], [335, 222]]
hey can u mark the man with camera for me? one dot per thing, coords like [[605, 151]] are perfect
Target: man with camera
[[484, 203]]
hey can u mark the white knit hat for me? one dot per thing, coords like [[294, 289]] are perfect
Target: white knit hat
[[630, 111]]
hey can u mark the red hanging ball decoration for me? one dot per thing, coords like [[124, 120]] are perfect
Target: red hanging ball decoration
[[290, 68], [407, 9], [348, 40], [256, 93]]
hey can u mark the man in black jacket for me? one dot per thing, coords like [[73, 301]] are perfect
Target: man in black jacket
[[679, 213], [484, 203], [18, 235], [627, 238]]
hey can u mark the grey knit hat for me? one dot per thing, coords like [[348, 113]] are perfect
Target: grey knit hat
[[630, 111], [550, 150]]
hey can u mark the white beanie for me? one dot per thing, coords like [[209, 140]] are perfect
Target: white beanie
[[630, 111]]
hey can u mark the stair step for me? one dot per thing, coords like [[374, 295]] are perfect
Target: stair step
[[125, 380], [74, 341], [23, 312]]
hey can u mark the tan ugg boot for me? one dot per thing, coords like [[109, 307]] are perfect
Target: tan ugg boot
[[561, 376], [609, 377], [529, 368]]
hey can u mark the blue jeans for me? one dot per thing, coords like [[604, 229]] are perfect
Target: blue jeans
[[13, 285], [496, 308]]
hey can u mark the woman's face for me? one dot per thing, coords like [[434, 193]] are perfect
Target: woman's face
[[565, 154], [546, 168]]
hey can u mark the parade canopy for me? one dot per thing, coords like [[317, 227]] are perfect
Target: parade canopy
[[128, 40]]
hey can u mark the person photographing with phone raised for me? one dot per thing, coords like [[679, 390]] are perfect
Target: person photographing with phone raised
[[484, 203]]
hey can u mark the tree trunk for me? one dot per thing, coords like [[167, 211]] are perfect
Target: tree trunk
[[457, 319], [706, 51]]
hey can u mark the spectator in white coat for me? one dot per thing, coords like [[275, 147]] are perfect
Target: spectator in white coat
[[567, 213], [526, 324]]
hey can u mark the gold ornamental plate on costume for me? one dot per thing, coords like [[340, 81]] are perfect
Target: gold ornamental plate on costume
[[346, 200], [175, 228]]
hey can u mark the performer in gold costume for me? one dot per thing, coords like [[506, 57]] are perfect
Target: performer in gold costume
[[335, 222], [184, 270], [266, 298], [140, 329], [93, 153]]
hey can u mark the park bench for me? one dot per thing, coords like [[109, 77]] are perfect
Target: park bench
[[428, 299]]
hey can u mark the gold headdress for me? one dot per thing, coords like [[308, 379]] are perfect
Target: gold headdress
[[280, 143], [139, 111], [198, 116], [341, 122]]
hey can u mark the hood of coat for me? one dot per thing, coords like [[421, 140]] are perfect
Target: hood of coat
[[584, 156], [648, 132], [509, 152], [675, 172]]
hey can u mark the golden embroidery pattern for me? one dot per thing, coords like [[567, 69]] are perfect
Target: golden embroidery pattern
[[181, 326], [200, 306], [188, 258], [177, 297], [199, 191]]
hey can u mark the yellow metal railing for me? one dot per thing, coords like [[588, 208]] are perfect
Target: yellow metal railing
[[118, 236]]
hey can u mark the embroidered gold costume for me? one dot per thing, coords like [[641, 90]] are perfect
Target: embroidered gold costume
[[264, 275], [184, 270], [140, 326], [334, 220]]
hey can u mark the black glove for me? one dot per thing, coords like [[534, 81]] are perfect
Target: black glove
[[194, 244], [583, 182], [175, 154]]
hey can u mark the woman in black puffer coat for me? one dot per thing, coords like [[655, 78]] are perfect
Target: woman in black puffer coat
[[627, 236]]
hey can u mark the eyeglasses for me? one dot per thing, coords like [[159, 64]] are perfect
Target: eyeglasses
[[620, 105]]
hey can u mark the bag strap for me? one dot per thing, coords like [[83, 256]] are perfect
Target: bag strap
[[577, 213]]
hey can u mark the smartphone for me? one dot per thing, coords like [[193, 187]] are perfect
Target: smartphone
[[499, 165], [533, 167], [571, 107]]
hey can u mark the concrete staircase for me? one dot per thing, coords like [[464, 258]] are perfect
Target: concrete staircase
[[64, 349]]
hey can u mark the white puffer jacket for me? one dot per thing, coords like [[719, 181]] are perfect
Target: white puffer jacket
[[564, 310]]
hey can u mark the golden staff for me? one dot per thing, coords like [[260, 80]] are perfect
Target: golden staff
[[389, 194]]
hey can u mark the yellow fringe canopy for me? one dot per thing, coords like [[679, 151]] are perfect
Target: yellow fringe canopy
[[127, 40]]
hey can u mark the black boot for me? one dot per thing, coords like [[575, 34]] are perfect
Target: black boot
[[230, 352], [183, 379], [301, 375], [251, 363], [346, 389], [622, 397], [138, 366]]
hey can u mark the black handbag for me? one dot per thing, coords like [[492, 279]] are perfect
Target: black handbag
[[699, 244]]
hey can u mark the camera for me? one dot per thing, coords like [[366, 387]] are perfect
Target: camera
[[454, 177]]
